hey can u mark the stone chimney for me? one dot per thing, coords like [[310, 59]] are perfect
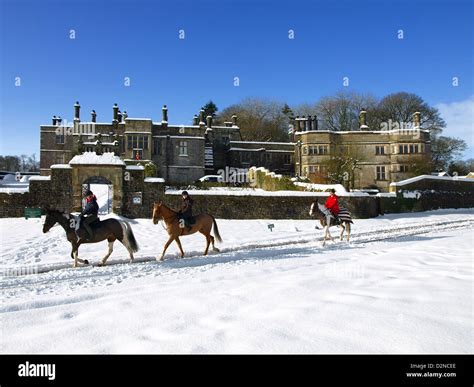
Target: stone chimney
[[54, 121], [234, 120], [416, 120], [124, 115], [115, 108], [59, 120], [363, 120], [309, 123], [195, 120], [165, 114], [77, 111], [315, 122], [93, 116], [119, 116], [201, 118], [209, 121]]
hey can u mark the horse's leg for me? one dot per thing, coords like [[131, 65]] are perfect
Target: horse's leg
[[111, 248], [208, 242], [342, 231], [325, 235], [214, 248], [168, 242], [348, 232], [75, 253], [329, 233], [178, 242]]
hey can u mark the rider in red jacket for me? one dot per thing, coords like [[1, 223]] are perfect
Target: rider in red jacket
[[332, 203]]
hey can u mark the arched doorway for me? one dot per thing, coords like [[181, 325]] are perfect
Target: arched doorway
[[103, 189]]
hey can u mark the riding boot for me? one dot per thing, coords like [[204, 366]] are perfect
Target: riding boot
[[89, 231]]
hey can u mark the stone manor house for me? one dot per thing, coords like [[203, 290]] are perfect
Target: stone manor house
[[181, 153], [184, 153]]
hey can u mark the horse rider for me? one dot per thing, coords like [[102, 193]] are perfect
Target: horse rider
[[186, 211], [332, 204], [89, 214]]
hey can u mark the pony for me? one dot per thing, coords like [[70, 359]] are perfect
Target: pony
[[175, 228], [320, 211], [110, 229]]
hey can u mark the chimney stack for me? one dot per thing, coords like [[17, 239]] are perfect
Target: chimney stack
[[195, 120], [77, 111], [165, 114], [119, 116], [201, 118], [309, 123], [124, 115], [54, 120], [59, 120], [416, 120], [209, 121], [363, 120], [234, 120], [115, 108], [93, 116], [315, 122]]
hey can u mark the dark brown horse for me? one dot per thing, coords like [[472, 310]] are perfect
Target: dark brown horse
[[175, 228], [320, 211], [110, 229]]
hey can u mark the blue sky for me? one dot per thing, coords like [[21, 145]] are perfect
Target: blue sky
[[223, 40]]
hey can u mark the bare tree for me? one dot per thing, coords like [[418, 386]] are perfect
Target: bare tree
[[341, 111], [259, 119]]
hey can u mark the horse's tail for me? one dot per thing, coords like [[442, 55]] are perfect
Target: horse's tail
[[128, 237], [216, 230]]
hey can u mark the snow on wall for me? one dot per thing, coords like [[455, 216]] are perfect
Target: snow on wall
[[108, 158], [154, 180], [255, 192], [340, 190], [11, 190]]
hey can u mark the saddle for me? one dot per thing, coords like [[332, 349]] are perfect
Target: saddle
[[81, 232], [95, 224]]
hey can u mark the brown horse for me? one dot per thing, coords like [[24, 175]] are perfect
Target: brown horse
[[110, 229], [175, 228]]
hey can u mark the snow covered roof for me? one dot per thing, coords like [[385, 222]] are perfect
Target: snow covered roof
[[182, 137], [429, 177], [32, 178], [108, 158], [262, 142], [247, 149], [154, 180], [135, 167], [60, 166], [394, 131]]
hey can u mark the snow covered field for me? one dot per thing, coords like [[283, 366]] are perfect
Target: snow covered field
[[404, 284]]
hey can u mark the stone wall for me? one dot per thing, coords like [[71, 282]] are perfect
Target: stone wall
[[12, 205], [429, 193], [271, 207], [421, 195]]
